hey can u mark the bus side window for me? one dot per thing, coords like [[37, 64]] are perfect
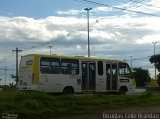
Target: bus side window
[[114, 71], [50, 65], [69, 66], [65, 67], [108, 71], [55, 66], [44, 65], [75, 67]]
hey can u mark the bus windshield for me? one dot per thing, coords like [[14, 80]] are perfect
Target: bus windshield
[[124, 70]]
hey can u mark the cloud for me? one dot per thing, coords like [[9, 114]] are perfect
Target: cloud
[[117, 37], [76, 12], [73, 31], [149, 39], [102, 9], [69, 12], [22, 28]]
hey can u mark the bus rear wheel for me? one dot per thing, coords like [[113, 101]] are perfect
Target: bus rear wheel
[[68, 90]]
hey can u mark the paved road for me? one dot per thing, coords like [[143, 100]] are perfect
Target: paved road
[[140, 90], [100, 115]]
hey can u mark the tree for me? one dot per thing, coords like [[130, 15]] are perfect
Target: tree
[[156, 60], [13, 76], [141, 76]]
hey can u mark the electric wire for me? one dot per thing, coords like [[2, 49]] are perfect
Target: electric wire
[[149, 5], [130, 6], [119, 8], [5, 58]]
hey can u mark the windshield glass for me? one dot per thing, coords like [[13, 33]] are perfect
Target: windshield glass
[[124, 70]]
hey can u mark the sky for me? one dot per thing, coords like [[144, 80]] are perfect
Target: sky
[[119, 29]]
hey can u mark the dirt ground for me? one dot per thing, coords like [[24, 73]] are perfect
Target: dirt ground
[[127, 112]]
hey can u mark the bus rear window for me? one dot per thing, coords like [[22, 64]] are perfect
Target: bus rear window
[[50, 65]]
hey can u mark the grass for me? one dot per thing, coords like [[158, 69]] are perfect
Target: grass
[[39, 105]]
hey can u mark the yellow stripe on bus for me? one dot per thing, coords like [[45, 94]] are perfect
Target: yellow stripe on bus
[[36, 69]]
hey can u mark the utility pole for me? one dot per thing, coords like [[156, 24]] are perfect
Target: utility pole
[[50, 46], [5, 72], [88, 9], [17, 51], [131, 61], [154, 43]]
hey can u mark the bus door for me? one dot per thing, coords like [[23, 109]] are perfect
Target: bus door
[[111, 76], [88, 76]]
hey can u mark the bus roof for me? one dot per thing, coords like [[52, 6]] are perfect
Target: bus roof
[[75, 57]]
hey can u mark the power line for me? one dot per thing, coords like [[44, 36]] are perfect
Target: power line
[[123, 9], [36, 46], [137, 59], [119, 13], [142, 58], [97, 20], [131, 5], [5, 58], [33, 47], [128, 7], [145, 66], [145, 4]]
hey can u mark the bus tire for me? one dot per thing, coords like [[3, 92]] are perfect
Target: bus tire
[[68, 90], [123, 90]]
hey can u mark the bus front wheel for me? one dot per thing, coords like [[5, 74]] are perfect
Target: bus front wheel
[[123, 90], [68, 90]]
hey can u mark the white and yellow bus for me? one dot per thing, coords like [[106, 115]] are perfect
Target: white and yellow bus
[[64, 74]]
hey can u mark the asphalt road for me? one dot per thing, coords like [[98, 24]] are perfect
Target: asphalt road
[[140, 90]]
